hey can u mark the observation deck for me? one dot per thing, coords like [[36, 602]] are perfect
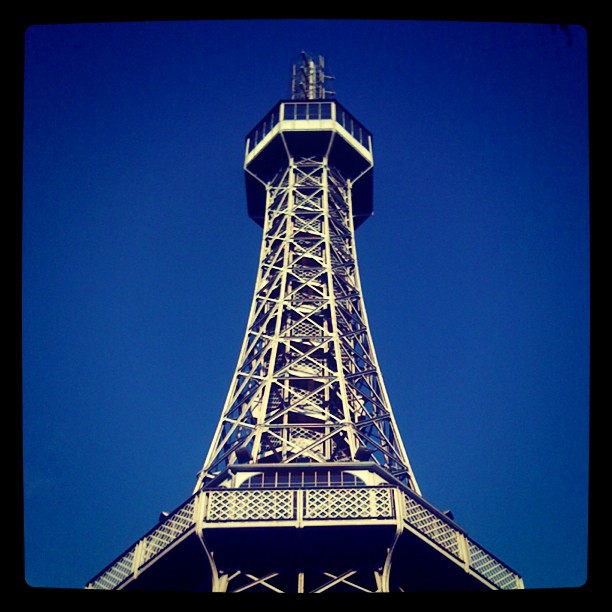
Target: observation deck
[[283, 509], [309, 128]]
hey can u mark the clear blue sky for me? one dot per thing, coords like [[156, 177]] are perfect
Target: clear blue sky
[[139, 263]]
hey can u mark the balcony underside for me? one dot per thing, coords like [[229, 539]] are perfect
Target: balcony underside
[[417, 564], [263, 167]]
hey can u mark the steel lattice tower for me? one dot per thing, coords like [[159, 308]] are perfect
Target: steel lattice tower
[[307, 486]]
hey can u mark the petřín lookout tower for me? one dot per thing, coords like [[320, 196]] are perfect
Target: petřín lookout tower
[[307, 486]]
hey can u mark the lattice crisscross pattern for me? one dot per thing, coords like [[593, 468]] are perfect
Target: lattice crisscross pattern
[[489, 567], [169, 531], [429, 524], [348, 503], [250, 505], [117, 573], [307, 454], [324, 503], [307, 357]]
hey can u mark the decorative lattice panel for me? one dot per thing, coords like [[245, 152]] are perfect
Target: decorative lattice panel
[[180, 522], [306, 329], [356, 503], [303, 437], [115, 574], [489, 567], [433, 527], [480, 560], [251, 505]]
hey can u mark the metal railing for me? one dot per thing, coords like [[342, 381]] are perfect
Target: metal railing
[[459, 545], [301, 505], [308, 111]]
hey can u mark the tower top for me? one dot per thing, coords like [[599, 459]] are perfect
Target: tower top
[[308, 79], [310, 124]]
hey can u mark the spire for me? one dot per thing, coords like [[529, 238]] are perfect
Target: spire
[[308, 79]]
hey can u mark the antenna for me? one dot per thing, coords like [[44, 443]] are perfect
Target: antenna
[[308, 79]]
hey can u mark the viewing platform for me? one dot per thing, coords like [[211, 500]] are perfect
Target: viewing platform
[[318, 128], [246, 514]]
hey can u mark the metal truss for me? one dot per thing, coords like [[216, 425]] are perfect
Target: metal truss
[[348, 580], [315, 529], [307, 387], [307, 487]]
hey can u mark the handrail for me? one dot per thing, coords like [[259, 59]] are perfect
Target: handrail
[[371, 503]]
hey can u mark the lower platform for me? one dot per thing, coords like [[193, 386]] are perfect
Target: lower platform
[[381, 538]]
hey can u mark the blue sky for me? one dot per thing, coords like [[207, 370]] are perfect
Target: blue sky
[[139, 262]]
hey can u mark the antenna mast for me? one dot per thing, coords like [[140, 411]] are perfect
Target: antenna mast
[[308, 79]]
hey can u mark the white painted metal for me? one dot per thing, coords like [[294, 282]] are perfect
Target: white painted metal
[[308, 507], [308, 386], [307, 450], [308, 80]]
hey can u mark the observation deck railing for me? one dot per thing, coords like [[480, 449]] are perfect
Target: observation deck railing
[[310, 110], [210, 508]]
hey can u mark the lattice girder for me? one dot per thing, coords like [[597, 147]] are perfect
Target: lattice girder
[[307, 386], [312, 581], [307, 487]]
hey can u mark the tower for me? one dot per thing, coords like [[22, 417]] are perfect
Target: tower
[[307, 486]]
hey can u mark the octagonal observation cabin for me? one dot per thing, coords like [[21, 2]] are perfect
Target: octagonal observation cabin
[[319, 128]]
